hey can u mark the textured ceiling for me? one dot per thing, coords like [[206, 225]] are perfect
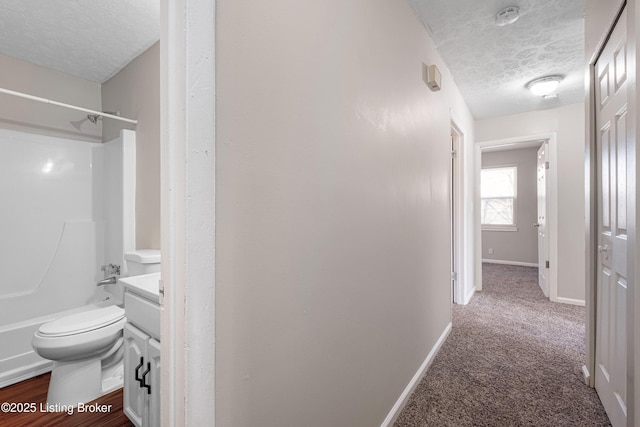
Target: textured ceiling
[[91, 39], [491, 65]]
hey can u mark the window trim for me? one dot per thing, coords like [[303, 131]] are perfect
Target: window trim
[[502, 227], [497, 227]]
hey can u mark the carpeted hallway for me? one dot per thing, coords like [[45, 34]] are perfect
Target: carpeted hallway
[[512, 359]]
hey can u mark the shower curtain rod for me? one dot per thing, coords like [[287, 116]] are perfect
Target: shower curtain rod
[[60, 104]]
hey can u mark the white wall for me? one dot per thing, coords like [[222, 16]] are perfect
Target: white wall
[[35, 117], [332, 222], [569, 124], [520, 245], [134, 92]]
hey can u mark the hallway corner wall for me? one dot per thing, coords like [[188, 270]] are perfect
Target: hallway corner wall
[[332, 218]]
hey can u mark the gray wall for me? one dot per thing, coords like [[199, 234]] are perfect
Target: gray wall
[[521, 245], [34, 117], [135, 92], [332, 209]]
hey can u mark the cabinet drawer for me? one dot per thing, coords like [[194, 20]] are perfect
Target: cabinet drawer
[[143, 313]]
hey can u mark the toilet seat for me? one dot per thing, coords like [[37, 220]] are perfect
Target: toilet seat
[[82, 322], [80, 336]]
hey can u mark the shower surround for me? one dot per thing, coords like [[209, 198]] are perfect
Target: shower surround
[[68, 209]]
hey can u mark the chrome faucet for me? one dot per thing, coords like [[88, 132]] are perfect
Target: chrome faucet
[[111, 270], [108, 281]]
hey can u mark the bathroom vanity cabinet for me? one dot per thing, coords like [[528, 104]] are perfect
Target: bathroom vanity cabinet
[[142, 350], [142, 377]]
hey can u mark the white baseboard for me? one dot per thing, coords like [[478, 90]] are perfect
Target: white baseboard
[[499, 261], [586, 376], [571, 301], [404, 397]]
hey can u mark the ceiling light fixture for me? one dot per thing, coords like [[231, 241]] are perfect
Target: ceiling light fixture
[[544, 86], [507, 16]]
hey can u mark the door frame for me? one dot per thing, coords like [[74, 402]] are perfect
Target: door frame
[[187, 117], [552, 205], [457, 220], [591, 198]]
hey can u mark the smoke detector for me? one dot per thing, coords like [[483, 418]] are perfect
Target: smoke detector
[[507, 16]]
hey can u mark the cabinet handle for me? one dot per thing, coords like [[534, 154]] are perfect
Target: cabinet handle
[[144, 380], [138, 378]]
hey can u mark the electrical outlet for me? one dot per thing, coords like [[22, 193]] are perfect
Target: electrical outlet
[[490, 251]]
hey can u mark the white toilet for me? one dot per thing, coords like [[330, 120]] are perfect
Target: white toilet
[[86, 347]]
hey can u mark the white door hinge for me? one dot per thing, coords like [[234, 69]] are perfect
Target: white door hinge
[[546, 165]]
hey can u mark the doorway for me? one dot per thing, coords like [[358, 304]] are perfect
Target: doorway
[[534, 142]]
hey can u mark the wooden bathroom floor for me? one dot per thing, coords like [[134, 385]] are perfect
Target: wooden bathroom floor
[[34, 390]]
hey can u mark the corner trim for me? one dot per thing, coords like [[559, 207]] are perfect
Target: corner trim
[[404, 397], [571, 301], [468, 296], [498, 261]]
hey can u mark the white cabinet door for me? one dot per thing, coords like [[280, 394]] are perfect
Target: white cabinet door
[[611, 285], [135, 342], [153, 379]]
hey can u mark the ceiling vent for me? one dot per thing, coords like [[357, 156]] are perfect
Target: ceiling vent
[[507, 16]]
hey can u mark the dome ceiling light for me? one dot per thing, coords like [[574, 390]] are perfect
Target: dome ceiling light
[[545, 86], [507, 16]]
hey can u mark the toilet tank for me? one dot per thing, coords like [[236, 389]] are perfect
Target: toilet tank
[[142, 261]]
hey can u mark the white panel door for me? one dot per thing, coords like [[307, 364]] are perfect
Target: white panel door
[[542, 221], [611, 287], [452, 212]]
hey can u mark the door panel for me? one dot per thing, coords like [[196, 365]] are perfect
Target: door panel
[[542, 221], [452, 213], [134, 349], [153, 354], [621, 153], [611, 286]]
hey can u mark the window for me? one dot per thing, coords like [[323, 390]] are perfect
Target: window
[[498, 194]]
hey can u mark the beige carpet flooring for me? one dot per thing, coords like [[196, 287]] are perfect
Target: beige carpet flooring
[[512, 359]]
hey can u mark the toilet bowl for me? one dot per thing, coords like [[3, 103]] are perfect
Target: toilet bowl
[[87, 352], [87, 347]]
